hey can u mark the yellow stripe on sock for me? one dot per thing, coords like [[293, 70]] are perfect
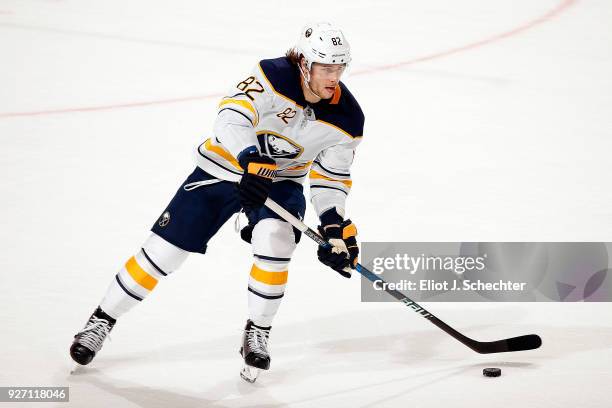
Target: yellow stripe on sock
[[269, 278], [316, 175], [139, 275]]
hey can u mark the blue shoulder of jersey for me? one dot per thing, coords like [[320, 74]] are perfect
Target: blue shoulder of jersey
[[346, 114], [284, 78]]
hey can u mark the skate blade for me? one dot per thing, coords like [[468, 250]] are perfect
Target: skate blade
[[76, 369], [249, 374]]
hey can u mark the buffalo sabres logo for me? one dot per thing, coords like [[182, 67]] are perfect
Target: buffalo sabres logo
[[164, 219], [278, 146]]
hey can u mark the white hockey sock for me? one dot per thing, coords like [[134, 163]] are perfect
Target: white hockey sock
[[267, 283], [273, 244], [140, 274]]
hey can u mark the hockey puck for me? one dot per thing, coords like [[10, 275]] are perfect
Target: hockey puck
[[491, 372]]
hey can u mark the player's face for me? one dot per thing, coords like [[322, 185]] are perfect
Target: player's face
[[324, 78]]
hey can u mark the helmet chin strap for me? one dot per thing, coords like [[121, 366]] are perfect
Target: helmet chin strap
[[306, 81]]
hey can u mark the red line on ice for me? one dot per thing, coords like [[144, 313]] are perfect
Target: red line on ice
[[109, 107], [565, 4], [525, 26]]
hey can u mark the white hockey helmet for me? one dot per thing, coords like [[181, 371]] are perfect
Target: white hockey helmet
[[323, 43]]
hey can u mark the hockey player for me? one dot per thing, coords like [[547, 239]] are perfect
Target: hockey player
[[290, 119]]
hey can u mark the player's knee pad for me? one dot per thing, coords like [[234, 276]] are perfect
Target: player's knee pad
[[246, 233], [160, 255], [273, 238]]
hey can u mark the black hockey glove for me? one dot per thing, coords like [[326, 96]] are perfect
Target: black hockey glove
[[255, 184], [342, 256]]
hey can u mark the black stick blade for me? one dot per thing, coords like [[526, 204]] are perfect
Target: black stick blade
[[520, 343], [527, 342]]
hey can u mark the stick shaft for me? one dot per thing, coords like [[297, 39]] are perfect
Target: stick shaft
[[527, 342]]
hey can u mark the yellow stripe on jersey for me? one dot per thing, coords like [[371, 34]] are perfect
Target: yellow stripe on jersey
[[301, 166], [269, 278], [222, 152], [315, 175], [245, 105], [139, 275]]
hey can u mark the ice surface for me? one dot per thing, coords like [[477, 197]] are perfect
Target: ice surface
[[492, 123]]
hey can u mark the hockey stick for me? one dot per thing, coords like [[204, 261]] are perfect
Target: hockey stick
[[527, 342]]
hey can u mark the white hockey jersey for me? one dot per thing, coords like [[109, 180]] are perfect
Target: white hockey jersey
[[268, 110]]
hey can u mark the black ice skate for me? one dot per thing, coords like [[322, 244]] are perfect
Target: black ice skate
[[254, 350], [89, 341]]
